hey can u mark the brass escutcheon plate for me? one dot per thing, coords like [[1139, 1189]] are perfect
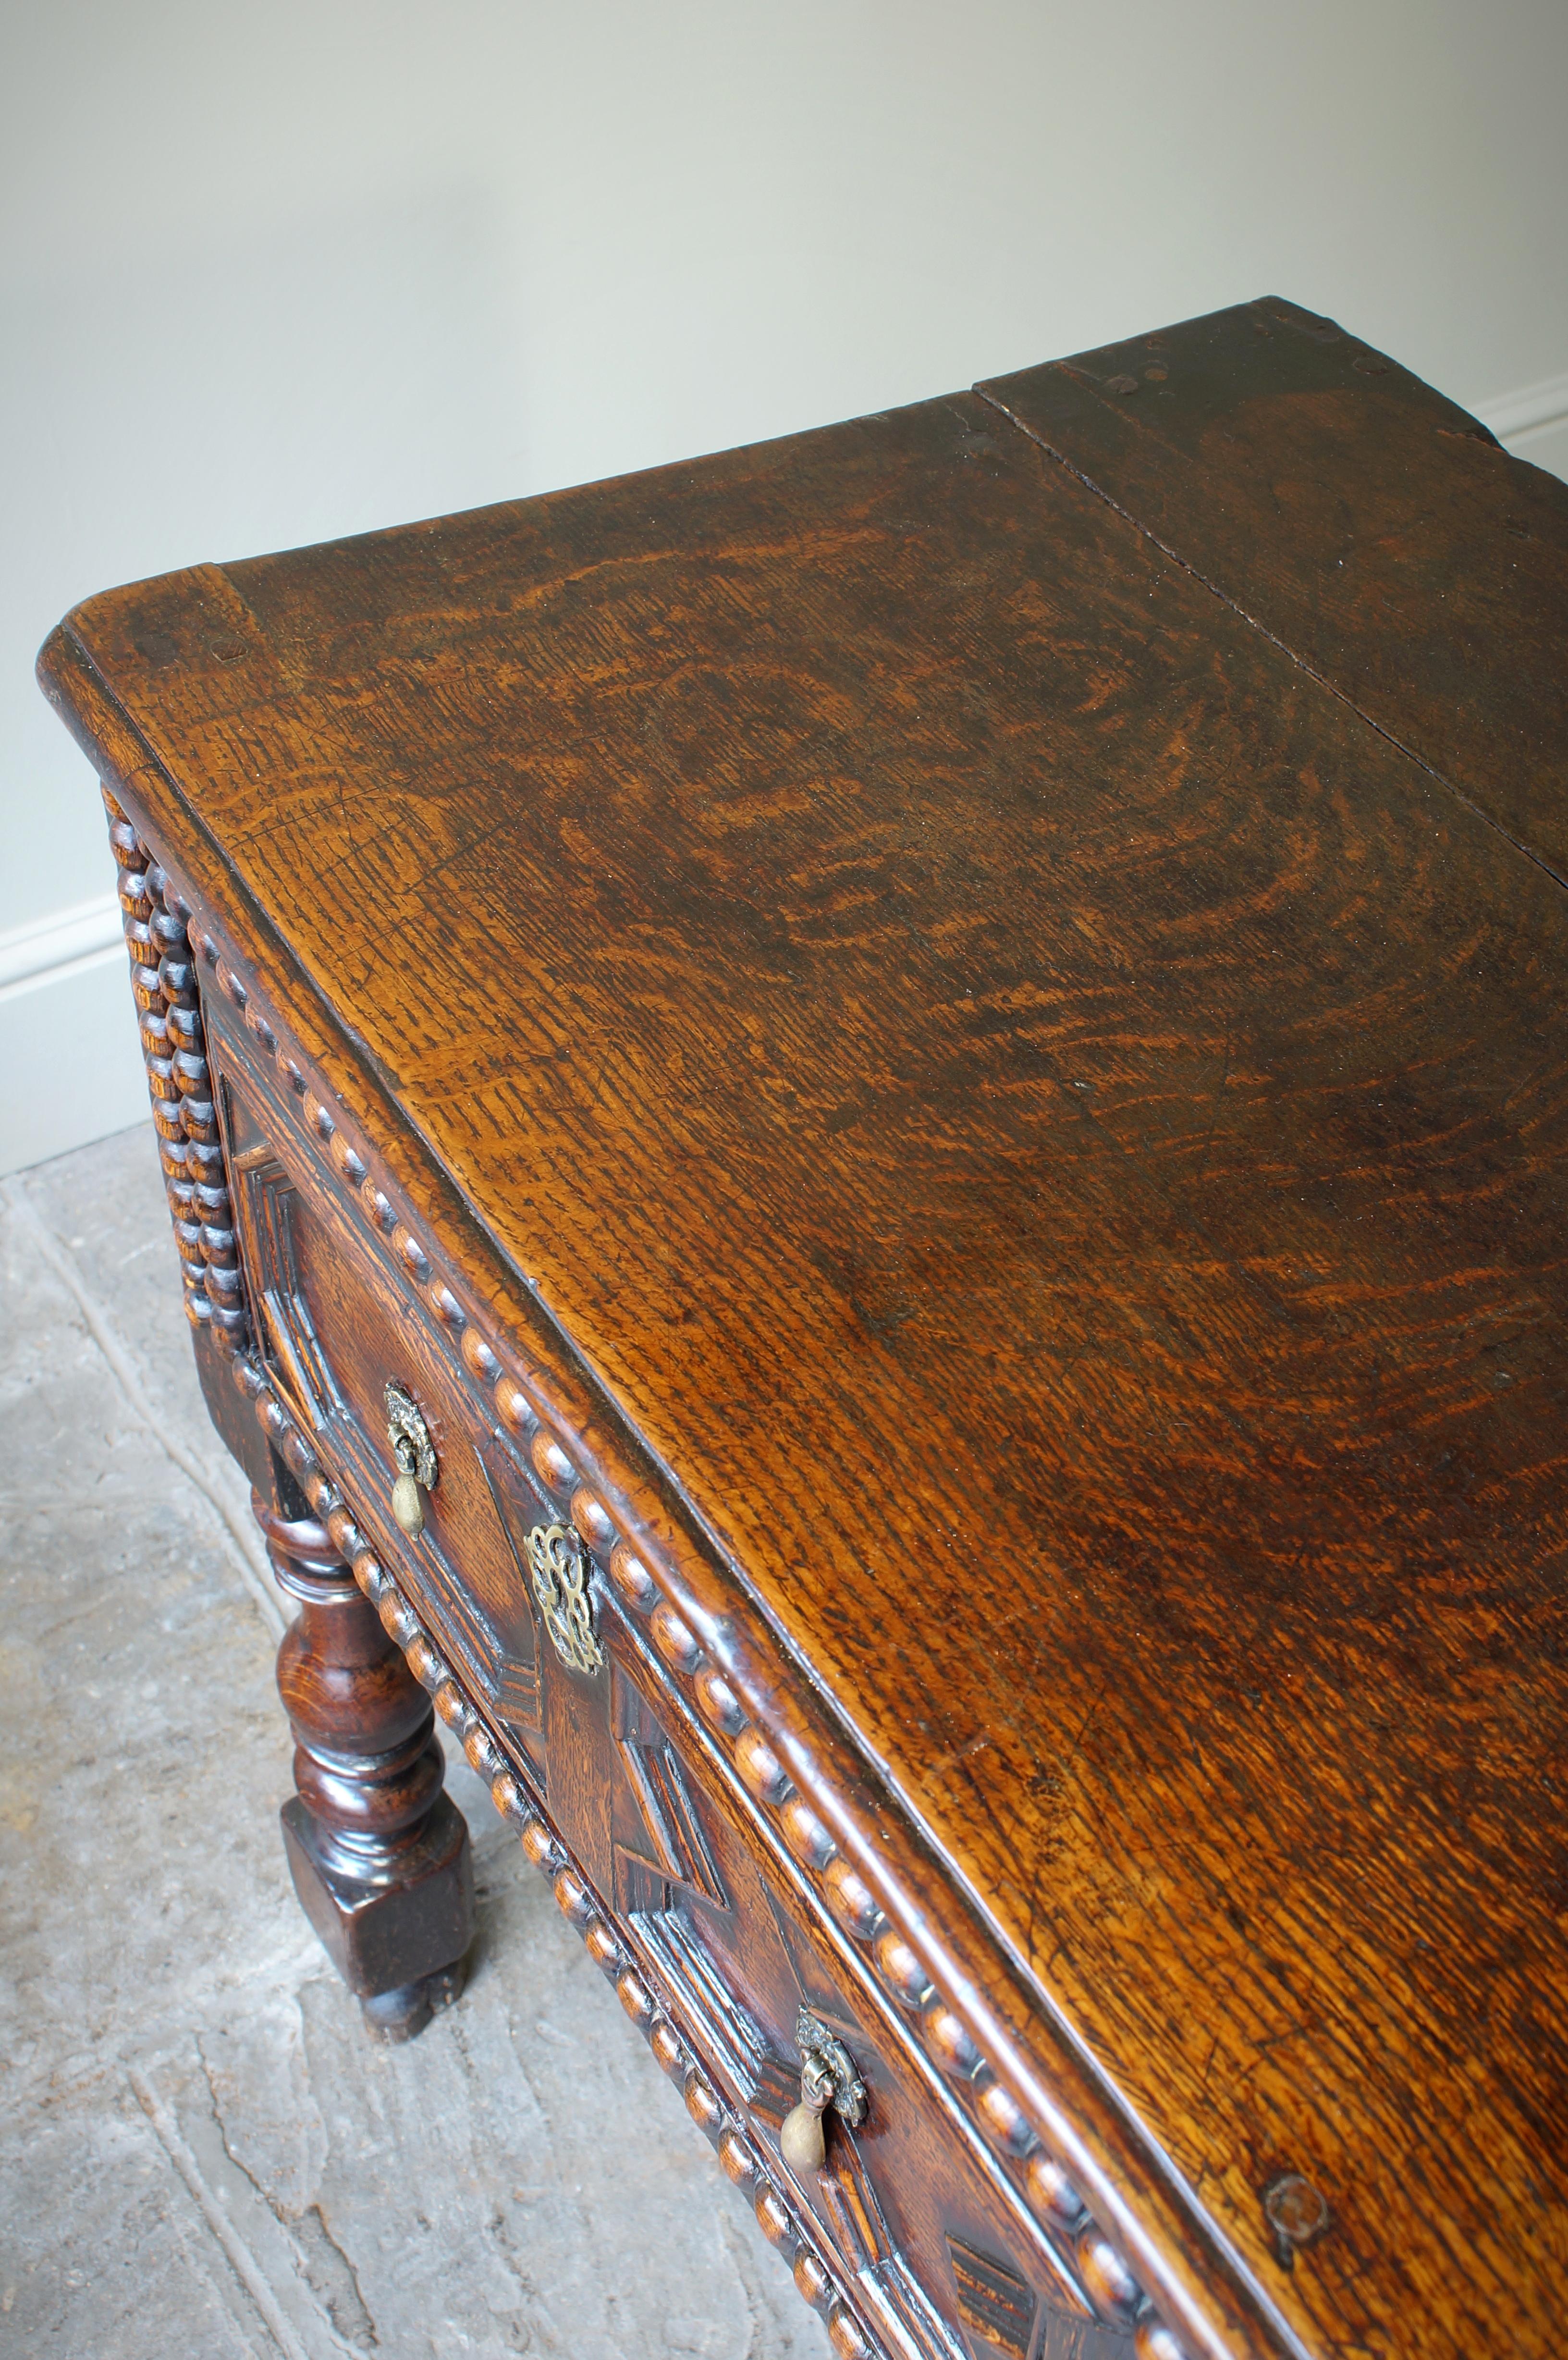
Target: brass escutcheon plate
[[559, 1564], [826, 2064], [410, 1438]]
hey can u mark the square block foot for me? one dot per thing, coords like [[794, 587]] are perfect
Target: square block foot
[[388, 1937]]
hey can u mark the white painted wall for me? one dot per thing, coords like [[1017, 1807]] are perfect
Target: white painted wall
[[289, 268]]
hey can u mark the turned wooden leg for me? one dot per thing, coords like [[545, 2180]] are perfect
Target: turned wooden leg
[[379, 1854]]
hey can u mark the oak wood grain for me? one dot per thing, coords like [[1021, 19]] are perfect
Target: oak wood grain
[[1376, 528], [1050, 1127]]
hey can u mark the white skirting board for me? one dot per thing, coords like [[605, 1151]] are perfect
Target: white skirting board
[[71, 1067], [1547, 445], [70, 1063], [1533, 423]]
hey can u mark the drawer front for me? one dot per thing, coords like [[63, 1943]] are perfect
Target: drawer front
[[905, 2203], [650, 1780], [333, 1335]]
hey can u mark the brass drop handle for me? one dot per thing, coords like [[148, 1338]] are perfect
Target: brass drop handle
[[415, 1453], [828, 2077]]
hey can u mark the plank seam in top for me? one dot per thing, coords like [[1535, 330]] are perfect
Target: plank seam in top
[[1255, 623]]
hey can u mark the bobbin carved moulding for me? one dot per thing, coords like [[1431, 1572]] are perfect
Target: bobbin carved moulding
[[866, 1148]]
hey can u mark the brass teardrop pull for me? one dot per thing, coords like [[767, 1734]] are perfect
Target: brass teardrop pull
[[828, 2077], [408, 1505], [415, 1455], [801, 2140]]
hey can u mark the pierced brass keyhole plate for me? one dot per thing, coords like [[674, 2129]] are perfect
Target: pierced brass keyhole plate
[[559, 1564]]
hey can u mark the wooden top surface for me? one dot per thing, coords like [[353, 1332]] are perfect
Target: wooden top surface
[[1372, 528], [1052, 1124]]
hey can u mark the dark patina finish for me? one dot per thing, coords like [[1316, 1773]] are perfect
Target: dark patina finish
[[936, 1048]]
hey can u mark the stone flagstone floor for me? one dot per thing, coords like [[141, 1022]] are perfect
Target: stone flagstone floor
[[200, 2153]]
